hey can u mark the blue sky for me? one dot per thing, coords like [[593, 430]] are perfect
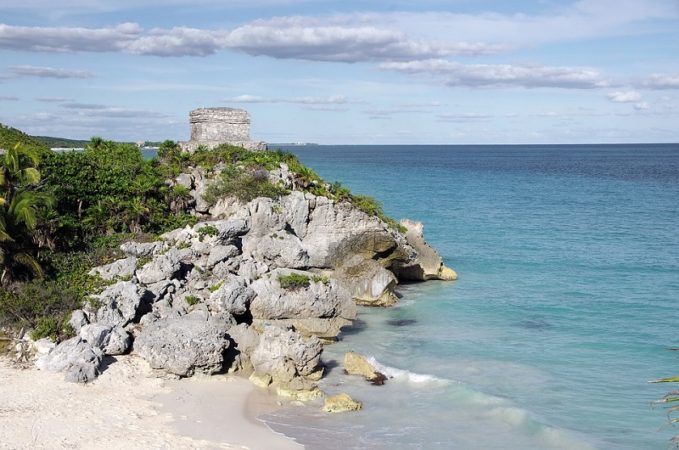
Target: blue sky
[[372, 72]]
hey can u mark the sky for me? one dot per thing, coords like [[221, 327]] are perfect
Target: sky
[[345, 72]]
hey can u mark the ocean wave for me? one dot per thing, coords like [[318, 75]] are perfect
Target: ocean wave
[[406, 375]]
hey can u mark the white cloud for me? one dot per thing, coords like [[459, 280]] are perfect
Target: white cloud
[[332, 100], [662, 81], [496, 75], [48, 72], [285, 38], [641, 106], [624, 96], [68, 39]]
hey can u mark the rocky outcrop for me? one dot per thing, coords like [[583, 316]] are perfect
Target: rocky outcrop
[[341, 403], [257, 290], [185, 345], [287, 357], [428, 264], [368, 281], [355, 364], [77, 359]]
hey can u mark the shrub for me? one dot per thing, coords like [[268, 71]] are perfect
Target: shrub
[[321, 279], [244, 184], [294, 281], [192, 300], [207, 230]]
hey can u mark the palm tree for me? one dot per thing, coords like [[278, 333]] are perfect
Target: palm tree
[[20, 202]]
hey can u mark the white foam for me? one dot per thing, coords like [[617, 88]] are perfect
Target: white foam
[[406, 375]]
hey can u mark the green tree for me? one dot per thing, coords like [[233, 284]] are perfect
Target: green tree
[[20, 204]]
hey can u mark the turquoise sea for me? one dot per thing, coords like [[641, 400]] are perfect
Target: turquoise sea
[[566, 304]]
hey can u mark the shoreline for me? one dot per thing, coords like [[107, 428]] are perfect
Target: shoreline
[[128, 407]]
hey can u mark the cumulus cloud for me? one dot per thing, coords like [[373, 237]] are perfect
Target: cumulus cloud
[[497, 75], [68, 39], [332, 100], [341, 39], [662, 81], [285, 38], [624, 96], [48, 72]]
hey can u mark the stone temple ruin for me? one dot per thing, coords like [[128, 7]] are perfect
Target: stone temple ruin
[[211, 127]]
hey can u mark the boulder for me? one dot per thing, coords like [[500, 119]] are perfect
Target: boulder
[[263, 217], [245, 340], [79, 360], [122, 268], [286, 355], [326, 330], [370, 284], [355, 364], [141, 249], [162, 267], [341, 403], [111, 340], [118, 304], [219, 253], [337, 231], [428, 264], [232, 295], [321, 309], [185, 345], [322, 298], [277, 249], [78, 320]]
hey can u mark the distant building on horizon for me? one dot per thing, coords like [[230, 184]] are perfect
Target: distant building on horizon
[[211, 127]]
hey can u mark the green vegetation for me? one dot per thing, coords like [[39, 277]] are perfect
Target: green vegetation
[[206, 230], [55, 142], [9, 137], [192, 300], [320, 279], [21, 199], [294, 281], [215, 287]]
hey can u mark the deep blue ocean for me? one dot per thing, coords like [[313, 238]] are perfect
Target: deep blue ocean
[[566, 304]]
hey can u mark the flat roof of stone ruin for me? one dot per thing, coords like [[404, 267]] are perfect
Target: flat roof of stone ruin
[[219, 108]]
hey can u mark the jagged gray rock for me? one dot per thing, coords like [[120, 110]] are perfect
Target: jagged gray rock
[[428, 264], [277, 249], [118, 304], [286, 355], [79, 360], [369, 283], [78, 320], [245, 340], [185, 345], [337, 231], [141, 249], [111, 340], [163, 267], [233, 296], [122, 268], [323, 298], [219, 253]]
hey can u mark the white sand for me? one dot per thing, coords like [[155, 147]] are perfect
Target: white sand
[[127, 407]]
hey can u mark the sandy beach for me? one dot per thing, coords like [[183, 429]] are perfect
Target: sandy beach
[[128, 407]]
